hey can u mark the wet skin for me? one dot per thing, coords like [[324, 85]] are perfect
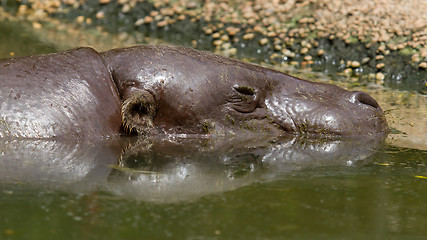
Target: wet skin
[[190, 91], [170, 89], [68, 94]]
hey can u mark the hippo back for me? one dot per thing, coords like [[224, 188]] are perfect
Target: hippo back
[[66, 94]]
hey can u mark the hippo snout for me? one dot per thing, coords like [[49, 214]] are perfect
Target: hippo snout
[[333, 111]]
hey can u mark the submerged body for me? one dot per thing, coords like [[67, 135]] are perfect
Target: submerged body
[[169, 89]]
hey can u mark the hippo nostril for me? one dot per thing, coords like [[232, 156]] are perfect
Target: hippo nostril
[[363, 98]]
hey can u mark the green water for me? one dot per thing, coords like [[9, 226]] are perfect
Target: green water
[[292, 189], [181, 190], [380, 199], [18, 40]]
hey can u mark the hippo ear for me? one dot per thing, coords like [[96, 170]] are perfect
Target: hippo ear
[[138, 112]]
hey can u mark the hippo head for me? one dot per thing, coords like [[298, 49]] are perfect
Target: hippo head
[[173, 89]]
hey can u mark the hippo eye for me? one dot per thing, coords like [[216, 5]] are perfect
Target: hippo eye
[[245, 90], [243, 99]]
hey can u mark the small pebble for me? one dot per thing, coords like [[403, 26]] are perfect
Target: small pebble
[[263, 41], [139, 22], [381, 48], [308, 58], [232, 51], [288, 53], [208, 31], [248, 36], [271, 34], [80, 19], [306, 63], [379, 57], [379, 76], [148, 19], [226, 45], [101, 15], [380, 65], [37, 25], [217, 42], [355, 64], [365, 60], [400, 46], [126, 8], [232, 30], [304, 50], [22, 9], [192, 5], [162, 23], [348, 71], [216, 35], [225, 38], [274, 56]]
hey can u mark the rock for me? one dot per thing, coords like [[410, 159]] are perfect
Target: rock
[[304, 50], [37, 25], [379, 57], [248, 36], [379, 76], [308, 58], [263, 41], [225, 38], [216, 35], [100, 15], [348, 71], [380, 65], [139, 22], [355, 64]]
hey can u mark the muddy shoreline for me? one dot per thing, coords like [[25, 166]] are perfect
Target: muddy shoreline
[[382, 42]]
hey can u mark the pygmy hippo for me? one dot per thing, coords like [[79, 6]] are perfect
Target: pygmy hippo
[[162, 89]]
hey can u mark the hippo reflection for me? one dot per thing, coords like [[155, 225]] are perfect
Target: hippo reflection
[[150, 90], [167, 170]]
